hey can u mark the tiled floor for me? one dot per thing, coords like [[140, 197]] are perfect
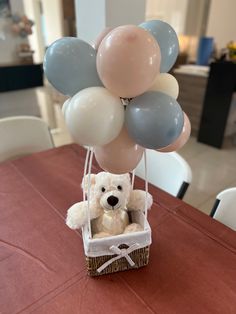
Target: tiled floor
[[213, 169]]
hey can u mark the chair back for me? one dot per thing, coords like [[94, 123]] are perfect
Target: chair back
[[23, 135], [224, 209], [168, 171]]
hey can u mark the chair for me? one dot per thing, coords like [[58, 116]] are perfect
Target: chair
[[23, 135], [168, 171], [224, 209]]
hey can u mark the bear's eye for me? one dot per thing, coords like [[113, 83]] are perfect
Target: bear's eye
[[119, 187], [103, 189]]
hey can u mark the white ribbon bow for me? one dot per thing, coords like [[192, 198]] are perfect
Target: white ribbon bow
[[120, 253]]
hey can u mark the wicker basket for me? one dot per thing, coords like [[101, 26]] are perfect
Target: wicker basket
[[118, 253]]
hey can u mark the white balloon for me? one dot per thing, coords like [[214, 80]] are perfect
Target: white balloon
[[95, 116], [166, 83], [65, 106]]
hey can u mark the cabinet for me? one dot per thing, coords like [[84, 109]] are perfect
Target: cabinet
[[191, 97], [218, 118], [15, 77], [210, 103]]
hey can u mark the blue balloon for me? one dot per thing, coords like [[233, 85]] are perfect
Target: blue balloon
[[167, 40], [16, 18], [154, 120], [70, 65], [23, 33]]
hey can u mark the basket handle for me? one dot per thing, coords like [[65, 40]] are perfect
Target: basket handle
[[87, 170], [146, 183]]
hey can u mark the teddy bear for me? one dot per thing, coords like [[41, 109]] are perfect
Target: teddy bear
[[111, 197]]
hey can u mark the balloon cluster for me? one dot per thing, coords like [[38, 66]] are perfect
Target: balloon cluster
[[122, 100], [22, 26]]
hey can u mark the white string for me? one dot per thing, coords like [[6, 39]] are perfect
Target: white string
[[133, 177], [88, 194], [146, 184], [85, 170]]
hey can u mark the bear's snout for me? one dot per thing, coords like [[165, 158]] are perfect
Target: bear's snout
[[112, 200]]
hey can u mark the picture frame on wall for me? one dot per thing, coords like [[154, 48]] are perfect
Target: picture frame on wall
[[5, 10]]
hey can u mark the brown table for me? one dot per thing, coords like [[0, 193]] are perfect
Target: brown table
[[192, 265]]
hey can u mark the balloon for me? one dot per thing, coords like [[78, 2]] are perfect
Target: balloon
[[154, 120], [101, 36], [24, 19], [167, 84], [94, 117], [28, 29], [70, 65], [121, 155], [22, 25], [65, 106], [31, 23], [15, 28], [23, 33], [167, 40], [181, 140], [16, 18], [128, 61]]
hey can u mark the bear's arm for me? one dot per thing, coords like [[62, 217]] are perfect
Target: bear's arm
[[137, 200], [77, 214]]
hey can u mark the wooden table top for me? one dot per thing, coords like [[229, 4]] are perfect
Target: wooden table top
[[192, 266]]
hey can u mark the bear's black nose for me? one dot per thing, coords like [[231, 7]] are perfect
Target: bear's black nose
[[112, 200]]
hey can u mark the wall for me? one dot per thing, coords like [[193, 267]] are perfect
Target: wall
[[53, 24], [8, 41], [170, 11], [53, 21], [221, 22], [90, 18], [53, 18], [124, 12], [32, 10], [68, 7], [197, 17], [93, 16]]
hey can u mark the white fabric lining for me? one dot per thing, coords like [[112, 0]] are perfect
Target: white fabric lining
[[99, 247]]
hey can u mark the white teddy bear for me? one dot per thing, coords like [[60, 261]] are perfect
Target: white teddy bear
[[111, 196]]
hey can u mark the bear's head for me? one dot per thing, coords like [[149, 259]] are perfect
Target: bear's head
[[111, 191]]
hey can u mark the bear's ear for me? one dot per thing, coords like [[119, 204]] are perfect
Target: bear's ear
[[85, 181]]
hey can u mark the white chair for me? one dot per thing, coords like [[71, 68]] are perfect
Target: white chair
[[23, 135], [168, 171], [224, 209]]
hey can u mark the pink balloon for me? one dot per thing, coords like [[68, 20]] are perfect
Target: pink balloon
[[128, 61], [181, 140], [24, 19], [121, 155], [101, 36], [15, 28], [28, 29]]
